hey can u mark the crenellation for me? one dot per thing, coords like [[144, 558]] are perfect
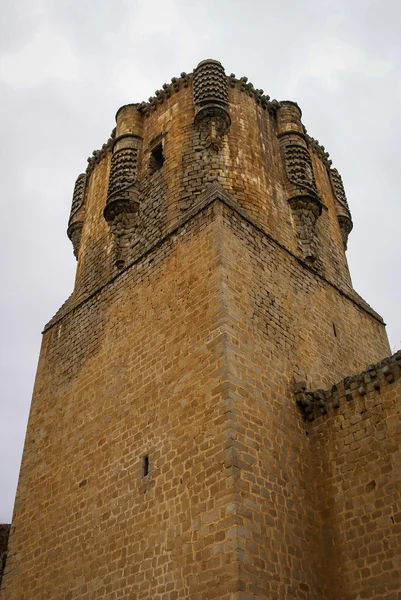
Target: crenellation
[[98, 155], [319, 150], [312, 404], [164, 93]]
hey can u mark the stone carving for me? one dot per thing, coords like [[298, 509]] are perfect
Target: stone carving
[[298, 164], [123, 193], [338, 187], [301, 185], [343, 212], [346, 226], [211, 103], [123, 171], [210, 83], [213, 126], [75, 222], [306, 211]]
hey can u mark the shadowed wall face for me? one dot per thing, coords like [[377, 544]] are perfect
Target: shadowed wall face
[[165, 455], [280, 328]]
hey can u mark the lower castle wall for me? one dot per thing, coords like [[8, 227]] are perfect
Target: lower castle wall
[[356, 455]]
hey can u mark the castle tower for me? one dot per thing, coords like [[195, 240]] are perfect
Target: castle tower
[[191, 434]]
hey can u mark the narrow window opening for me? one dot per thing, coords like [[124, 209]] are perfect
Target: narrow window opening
[[334, 330], [371, 486], [145, 466], [156, 158]]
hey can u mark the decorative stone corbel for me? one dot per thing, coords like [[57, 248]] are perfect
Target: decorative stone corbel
[[343, 212], [310, 403], [123, 194], [211, 103], [76, 219], [302, 192]]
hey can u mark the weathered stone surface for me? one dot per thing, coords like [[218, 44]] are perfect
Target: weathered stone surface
[[76, 219], [354, 449], [165, 456], [4, 534]]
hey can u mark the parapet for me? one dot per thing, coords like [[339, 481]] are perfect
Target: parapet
[[313, 404]]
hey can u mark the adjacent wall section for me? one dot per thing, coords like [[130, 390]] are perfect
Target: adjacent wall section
[[280, 318], [356, 455]]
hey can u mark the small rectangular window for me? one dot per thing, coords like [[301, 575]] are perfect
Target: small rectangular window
[[145, 466], [156, 158]]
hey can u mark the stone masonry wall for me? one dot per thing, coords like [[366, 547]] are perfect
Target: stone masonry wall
[[134, 372], [165, 456], [249, 165], [183, 370], [280, 327], [355, 453]]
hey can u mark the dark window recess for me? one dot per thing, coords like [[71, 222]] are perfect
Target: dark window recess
[[156, 158], [145, 466], [334, 330]]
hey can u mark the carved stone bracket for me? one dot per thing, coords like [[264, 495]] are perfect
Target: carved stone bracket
[[343, 211], [211, 103], [306, 211], [302, 193], [346, 226], [123, 195], [213, 123], [75, 221]]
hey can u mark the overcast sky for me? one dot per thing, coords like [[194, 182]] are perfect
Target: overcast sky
[[67, 65]]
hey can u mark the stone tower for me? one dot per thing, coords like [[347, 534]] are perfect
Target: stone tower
[[201, 427]]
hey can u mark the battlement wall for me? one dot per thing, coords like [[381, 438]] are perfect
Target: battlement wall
[[355, 456]]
